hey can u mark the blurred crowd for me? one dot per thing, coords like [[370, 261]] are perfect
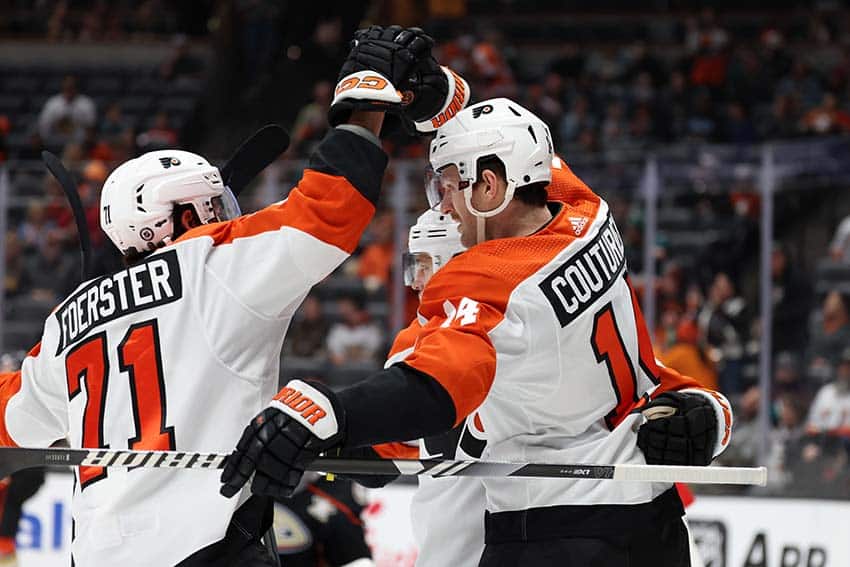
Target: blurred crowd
[[712, 86]]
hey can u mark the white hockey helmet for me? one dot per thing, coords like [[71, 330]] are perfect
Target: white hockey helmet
[[431, 243], [497, 127], [138, 198]]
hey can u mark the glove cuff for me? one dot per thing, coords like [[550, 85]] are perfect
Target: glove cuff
[[456, 100], [723, 413], [312, 405], [367, 90]]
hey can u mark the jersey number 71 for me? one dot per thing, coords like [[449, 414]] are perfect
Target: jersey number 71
[[140, 358]]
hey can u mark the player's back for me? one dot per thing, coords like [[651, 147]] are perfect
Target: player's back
[[178, 352], [569, 366], [156, 357]]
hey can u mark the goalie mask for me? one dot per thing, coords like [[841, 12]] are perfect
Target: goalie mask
[[432, 242], [138, 198], [498, 127]]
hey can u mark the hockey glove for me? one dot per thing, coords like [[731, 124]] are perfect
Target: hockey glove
[[379, 64], [302, 421], [438, 93], [681, 429]]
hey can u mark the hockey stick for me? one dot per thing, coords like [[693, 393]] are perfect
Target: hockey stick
[[254, 155], [73, 195], [13, 459]]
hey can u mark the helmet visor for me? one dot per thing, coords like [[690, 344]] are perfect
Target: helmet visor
[[439, 183], [225, 206], [418, 269]]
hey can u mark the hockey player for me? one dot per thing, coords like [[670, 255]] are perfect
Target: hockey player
[[432, 242], [535, 327], [180, 348]]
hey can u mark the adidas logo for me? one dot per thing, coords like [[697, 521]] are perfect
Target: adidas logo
[[578, 224]]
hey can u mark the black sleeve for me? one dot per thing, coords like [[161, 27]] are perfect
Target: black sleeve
[[354, 157], [396, 404]]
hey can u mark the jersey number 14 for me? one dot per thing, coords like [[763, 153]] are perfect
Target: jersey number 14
[[610, 348], [139, 356]]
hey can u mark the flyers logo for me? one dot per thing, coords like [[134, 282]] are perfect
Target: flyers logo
[[302, 404], [479, 110], [368, 82]]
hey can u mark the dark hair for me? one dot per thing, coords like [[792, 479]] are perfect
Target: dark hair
[[533, 194]]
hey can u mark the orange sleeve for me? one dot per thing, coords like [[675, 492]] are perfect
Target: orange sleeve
[[396, 451], [457, 336], [325, 206], [10, 384]]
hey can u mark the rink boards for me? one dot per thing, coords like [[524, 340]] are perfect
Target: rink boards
[[731, 531]]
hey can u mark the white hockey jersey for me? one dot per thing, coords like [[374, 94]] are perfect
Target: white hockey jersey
[[555, 352], [448, 513], [179, 352]]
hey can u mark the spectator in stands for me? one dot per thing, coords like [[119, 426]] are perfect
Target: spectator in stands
[[819, 461], [51, 274], [543, 101], [701, 124], [181, 65], [681, 351], [66, 115], [786, 375], [159, 136], [829, 337], [4, 131], [743, 447], [830, 411], [789, 432], [782, 121], [721, 322], [674, 107], [576, 119], [791, 302], [377, 257], [490, 69], [839, 248], [614, 130], [14, 264], [113, 122], [355, 338], [737, 126], [312, 122], [32, 232], [827, 118], [309, 332], [802, 83]]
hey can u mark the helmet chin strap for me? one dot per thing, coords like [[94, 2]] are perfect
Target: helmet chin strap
[[481, 216]]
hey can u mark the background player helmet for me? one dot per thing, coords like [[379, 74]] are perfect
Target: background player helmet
[[497, 127], [138, 198], [431, 243]]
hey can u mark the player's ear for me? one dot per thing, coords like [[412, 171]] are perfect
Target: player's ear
[[188, 220], [491, 183]]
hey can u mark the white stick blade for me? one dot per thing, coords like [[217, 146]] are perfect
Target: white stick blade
[[694, 475]]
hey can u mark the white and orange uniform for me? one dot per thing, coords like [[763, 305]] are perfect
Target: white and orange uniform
[[178, 352], [549, 394]]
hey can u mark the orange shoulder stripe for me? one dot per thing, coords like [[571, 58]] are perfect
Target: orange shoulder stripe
[[325, 206], [566, 186], [396, 451], [467, 298]]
